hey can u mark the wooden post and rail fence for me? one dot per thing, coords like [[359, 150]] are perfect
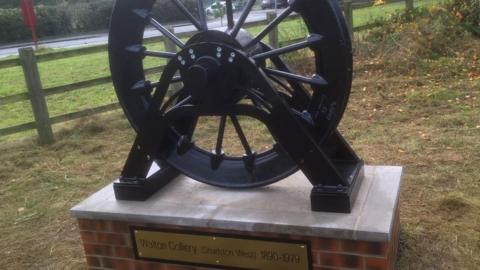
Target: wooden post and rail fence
[[36, 94]]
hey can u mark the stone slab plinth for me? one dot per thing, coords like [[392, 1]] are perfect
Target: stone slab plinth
[[367, 238]]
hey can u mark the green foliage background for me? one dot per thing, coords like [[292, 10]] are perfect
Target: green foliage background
[[61, 17], [468, 12], [16, 3]]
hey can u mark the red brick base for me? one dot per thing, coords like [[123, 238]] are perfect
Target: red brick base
[[108, 245]]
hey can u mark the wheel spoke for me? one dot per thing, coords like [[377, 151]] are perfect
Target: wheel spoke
[[184, 101], [167, 33], [186, 127], [181, 103], [242, 18], [256, 97], [144, 86], [282, 84], [142, 52], [230, 21], [176, 79], [201, 15], [249, 161], [221, 133], [159, 54], [255, 103], [270, 26], [145, 14], [187, 14], [300, 94], [316, 80], [193, 126], [241, 135], [172, 99], [312, 40]]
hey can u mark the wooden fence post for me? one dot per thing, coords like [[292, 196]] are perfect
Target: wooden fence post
[[273, 35], [409, 5], [171, 47], [36, 95], [348, 12]]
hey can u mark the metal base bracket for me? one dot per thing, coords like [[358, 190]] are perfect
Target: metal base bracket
[[142, 189], [339, 199]]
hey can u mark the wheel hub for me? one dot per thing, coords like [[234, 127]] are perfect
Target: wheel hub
[[211, 67]]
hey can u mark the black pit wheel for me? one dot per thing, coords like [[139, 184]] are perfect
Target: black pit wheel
[[225, 74]]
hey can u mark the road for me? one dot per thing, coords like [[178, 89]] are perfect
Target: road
[[98, 39]]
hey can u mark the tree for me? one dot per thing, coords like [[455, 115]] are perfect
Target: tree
[[219, 11]]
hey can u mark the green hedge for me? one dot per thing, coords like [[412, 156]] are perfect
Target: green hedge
[[77, 17], [11, 26], [16, 3], [51, 21]]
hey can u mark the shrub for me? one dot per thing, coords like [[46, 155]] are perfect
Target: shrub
[[16, 3], [423, 32], [52, 21], [468, 13], [12, 27], [403, 43], [166, 12], [80, 16], [85, 16], [55, 20]]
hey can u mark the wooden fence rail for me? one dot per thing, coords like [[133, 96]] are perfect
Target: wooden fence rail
[[36, 94]]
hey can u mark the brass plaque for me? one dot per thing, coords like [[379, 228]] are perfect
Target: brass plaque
[[220, 250]]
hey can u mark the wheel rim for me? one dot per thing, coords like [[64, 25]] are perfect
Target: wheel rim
[[320, 111]]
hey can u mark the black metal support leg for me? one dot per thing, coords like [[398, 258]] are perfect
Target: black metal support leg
[[339, 198], [134, 185]]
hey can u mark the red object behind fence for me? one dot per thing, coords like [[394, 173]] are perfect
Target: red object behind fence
[[29, 18]]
